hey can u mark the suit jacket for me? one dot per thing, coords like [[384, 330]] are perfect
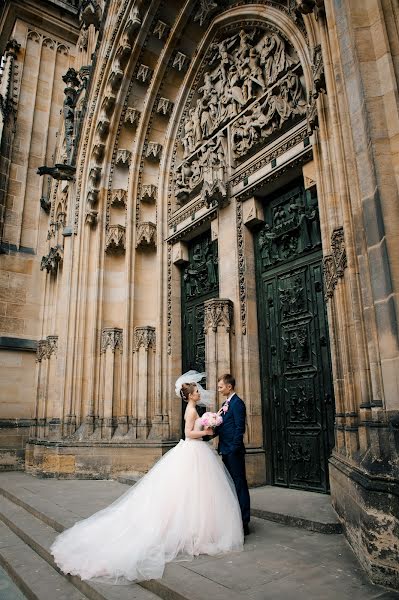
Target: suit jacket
[[232, 430]]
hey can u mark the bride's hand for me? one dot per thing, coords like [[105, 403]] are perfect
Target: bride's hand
[[208, 431]]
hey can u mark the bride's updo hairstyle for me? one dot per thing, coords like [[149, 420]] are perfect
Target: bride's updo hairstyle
[[186, 390]]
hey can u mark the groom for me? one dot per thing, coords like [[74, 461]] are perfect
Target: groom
[[231, 443]]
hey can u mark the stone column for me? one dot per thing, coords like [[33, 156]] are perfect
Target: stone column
[[144, 348], [218, 328], [111, 349]]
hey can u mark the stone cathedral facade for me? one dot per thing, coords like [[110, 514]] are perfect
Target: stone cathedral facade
[[210, 185]]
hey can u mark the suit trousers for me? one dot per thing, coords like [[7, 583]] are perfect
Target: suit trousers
[[235, 464]]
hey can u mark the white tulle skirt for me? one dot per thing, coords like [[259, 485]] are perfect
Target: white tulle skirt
[[184, 506]]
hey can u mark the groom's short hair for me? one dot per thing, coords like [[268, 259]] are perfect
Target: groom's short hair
[[227, 378]]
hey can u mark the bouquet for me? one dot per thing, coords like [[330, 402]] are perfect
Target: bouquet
[[210, 419]]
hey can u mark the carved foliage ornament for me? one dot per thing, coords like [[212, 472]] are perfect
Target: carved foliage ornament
[[52, 260], [112, 338], [144, 337], [146, 235], [218, 313], [46, 347], [334, 264]]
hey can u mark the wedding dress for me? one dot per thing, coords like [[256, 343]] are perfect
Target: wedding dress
[[184, 506]]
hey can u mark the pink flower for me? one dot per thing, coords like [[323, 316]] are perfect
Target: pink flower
[[209, 419]]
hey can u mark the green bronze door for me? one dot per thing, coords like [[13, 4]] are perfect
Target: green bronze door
[[200, 282], [294, 346]]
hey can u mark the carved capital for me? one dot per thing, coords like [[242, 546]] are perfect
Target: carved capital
[[146, 235], [149, 193], [123, 157], [218, 313], [119, 197], [115, 242], [112, 337], [144, 337]]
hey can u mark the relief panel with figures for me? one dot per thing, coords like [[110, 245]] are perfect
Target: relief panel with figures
[[295, 360]]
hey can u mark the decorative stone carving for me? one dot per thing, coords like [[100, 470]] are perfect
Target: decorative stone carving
[[133, 23], [132, 117], [119, 198], [319, 79], [98, 150], [334, 264], [52, 260], [146, 235], [312, 117], [218, 313], [308, 6], [109, 101], [71, 92], [205, 11], [112, 337], [161, 29], [144, 74], [91, 217], [83, 39], [95, 175], [180, 61], [164, 106], [47, 347], [103, 126], [90, 13], [144, 337], [115, 242], [92, 196], [201, 274], [153, 151], [254, 76], [123, 157], [45, 203], [115, 77], [180, 253], [207, 168], [60, 172], [269, 116], [149, 193]]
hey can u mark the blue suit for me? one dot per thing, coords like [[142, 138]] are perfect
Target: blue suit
[[231, 447]]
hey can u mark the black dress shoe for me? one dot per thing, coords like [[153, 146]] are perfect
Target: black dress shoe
[[246, 529]]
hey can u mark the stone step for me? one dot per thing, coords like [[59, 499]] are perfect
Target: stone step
[[36, 537], [36, 579], [31, 525], [296, 508]]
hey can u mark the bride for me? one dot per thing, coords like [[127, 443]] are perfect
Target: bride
[[184, 506]]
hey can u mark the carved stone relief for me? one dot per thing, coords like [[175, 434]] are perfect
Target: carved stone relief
[[334, 264], [52, 260], [180, 61], [119, 197], [164, 106], [123, 158], [46, 347], [153, 151], [144, 74], [161, 29], [149, 193], [132, 117]]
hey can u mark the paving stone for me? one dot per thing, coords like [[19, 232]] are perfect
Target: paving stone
[[8, 589]]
